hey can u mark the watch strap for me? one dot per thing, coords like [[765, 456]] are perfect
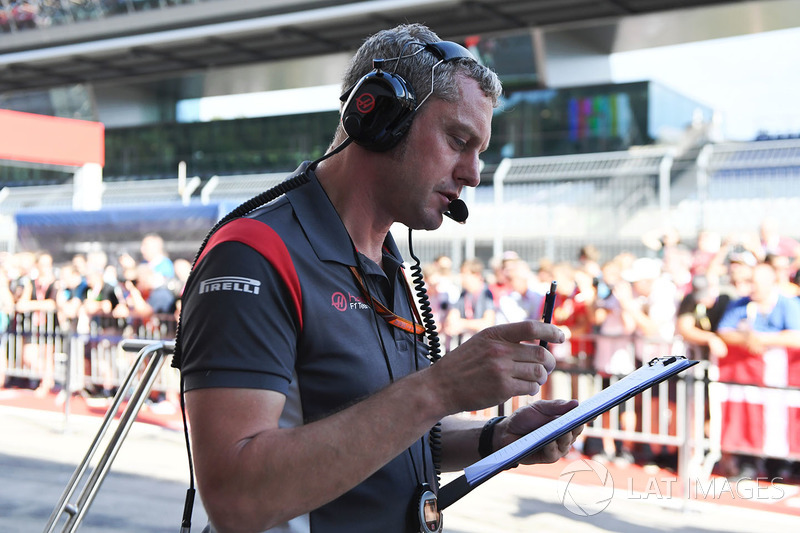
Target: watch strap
[[485, 446]]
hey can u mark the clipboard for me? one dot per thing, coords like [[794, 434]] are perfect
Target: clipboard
[[652, 373]]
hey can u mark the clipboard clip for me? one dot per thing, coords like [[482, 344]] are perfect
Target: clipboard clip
[[665, 360]]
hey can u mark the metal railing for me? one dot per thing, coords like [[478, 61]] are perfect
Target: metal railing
[[36, 348], [682, 414], [89, 477], [670, 416]]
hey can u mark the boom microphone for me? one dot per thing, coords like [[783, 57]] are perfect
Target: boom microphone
[[457, 210]]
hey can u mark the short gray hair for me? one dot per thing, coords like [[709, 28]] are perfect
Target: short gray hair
[[416, 69]]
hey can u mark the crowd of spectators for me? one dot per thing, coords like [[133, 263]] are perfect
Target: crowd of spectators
[[616, 313], [27, 14], [90, 295]]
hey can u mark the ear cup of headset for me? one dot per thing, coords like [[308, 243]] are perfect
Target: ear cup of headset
[[378, 110]]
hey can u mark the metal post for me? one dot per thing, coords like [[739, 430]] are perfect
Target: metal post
[[498, 182], [664, 184], [703, 161], [685, 398], [76, 511]]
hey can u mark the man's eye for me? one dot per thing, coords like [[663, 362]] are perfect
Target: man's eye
[[459, 143]]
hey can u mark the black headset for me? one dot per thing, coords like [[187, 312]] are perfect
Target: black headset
[[379, 107]]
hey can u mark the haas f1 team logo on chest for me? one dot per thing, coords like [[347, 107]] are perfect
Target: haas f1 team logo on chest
[[230, 283], [342, 302]]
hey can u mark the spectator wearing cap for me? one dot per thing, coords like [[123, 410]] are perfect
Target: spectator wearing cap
[[650, 299], [740, 272], [733, 263]]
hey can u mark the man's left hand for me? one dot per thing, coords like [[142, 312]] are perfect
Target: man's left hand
[[526, 419]]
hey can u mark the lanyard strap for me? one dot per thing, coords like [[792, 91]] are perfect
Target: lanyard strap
[[385, 313]]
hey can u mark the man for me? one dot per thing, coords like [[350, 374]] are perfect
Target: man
[[309, 410], [757, 329], [522, 302], [153, 255], [765, 319], [699, 315], [474, 310], [650, 299]]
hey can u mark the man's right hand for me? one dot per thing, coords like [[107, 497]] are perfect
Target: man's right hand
[[494, 365]]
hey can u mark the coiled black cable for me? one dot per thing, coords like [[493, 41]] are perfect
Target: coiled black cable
[[434, 349], [425, 309]]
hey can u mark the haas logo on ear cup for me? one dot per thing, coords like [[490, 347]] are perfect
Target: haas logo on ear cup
[[365, 103], [376, 109]]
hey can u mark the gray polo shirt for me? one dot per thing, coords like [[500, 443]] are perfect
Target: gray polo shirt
[[273, 304]]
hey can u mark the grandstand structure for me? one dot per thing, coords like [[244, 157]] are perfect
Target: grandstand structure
[[601, 176], [548, 207]]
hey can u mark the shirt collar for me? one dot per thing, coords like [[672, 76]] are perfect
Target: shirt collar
[[324, 228]]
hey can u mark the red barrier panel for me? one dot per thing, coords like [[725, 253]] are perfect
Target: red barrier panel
[[50, 140], [761, 402]]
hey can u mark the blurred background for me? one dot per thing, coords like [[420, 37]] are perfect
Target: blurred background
[[646, 155], [202, 103]]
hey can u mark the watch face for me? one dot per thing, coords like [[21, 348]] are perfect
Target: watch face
[[430, 518]]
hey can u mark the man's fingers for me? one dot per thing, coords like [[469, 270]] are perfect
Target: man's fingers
[[554, 408], [497, 363], [531, 372], [565, 441], [527, 331], [526, 354], [530, 417]]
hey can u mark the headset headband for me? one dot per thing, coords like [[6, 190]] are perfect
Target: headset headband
[[448, 50]]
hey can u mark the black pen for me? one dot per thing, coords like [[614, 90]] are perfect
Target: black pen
[[549, 304]]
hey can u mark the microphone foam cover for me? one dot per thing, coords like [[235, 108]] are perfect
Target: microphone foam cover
[[457, 210]]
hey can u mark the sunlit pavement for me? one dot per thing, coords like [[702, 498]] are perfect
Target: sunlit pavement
[[147, 483]]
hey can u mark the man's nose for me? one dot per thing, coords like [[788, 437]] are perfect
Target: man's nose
[[469, 171]]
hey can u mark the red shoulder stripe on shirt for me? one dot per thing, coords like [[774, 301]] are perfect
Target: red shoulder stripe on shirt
[[265, 241]]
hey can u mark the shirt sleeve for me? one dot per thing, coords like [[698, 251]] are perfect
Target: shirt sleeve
[[792, 314], [735, 312], [239, 326]]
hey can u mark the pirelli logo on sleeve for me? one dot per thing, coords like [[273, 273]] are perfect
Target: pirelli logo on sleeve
[[230, 283]]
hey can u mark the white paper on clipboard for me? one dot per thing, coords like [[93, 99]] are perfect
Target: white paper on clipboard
[[637, 381]]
